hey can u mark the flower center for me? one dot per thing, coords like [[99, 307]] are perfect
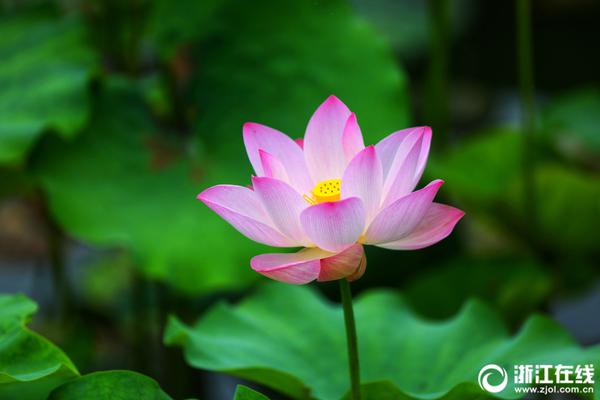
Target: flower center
[[326, 191]]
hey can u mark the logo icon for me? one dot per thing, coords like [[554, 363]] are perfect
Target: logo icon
[[484, 376]]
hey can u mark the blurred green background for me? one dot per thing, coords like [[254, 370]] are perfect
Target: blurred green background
[[115, 114]]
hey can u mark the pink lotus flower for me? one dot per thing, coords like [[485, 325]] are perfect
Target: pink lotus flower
[[331, 195]]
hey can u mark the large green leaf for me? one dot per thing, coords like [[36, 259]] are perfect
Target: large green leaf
[[110, 385], [43, 74], [30, 366], [292, 340], [120, 184], [275, 62]]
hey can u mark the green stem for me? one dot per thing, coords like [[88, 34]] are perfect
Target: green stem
[[351, 338], [526, 89]]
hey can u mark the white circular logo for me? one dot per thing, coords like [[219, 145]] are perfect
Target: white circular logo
[[484, 376]]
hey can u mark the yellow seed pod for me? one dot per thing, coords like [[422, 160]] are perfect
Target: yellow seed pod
[[326, 191]]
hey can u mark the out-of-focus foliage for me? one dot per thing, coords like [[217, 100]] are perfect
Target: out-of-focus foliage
[[408, 36], [43, 75], [30, 366], [572, 122], [175, 24], [129, 182], [485, 175], [407, 24], [119, 183], [110, 385], [107, 280], [482, 169], [568, 209], [516, 287], [287, 338], [274, 62]]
